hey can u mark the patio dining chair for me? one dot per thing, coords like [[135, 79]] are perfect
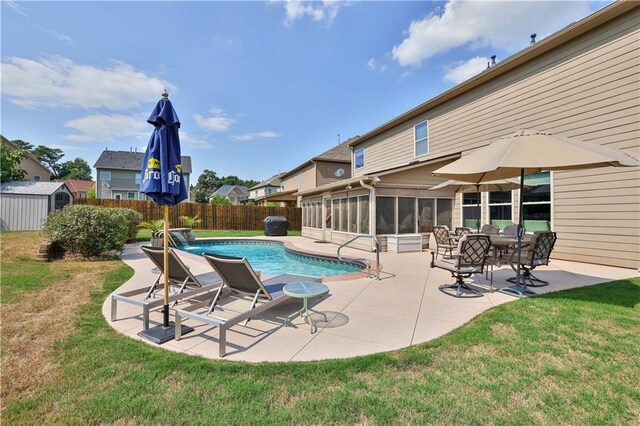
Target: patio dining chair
[[536, 254], [469, 259], [490, 229], [444, 241], [461, 231]]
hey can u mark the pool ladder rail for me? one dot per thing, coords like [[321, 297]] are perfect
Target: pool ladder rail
[[366, 261]]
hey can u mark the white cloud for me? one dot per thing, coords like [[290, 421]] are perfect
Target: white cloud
[[67, 148], [19, 9], [59, 82], [218, 121], [481, 24], [376, 66], [194, 142], [466, 69], [108, 127], [61, 37], [257, 135], [319, 11]]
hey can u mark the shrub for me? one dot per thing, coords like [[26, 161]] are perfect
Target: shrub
[[190, 222], [219, 199], [87, 230], [132, 220]]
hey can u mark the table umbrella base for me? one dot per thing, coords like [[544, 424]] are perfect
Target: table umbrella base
[[518, 290], [161, 334]]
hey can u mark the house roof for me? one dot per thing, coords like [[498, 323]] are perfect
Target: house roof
[[28, 187], [127, 160], [224, 190], [272, 181], [340, 153], [27, 154], [77, 185], [531, 52]]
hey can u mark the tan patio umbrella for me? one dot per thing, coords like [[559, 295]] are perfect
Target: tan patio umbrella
[[466, 187], [524, 153]]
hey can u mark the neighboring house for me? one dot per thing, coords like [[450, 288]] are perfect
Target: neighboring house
[[26, 204], [581, 82], [33, 168], [78, 187], [332, 166], [118, 174], [237, 194], [265, 188]]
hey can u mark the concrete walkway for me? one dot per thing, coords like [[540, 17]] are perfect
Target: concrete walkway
[[365, 316]]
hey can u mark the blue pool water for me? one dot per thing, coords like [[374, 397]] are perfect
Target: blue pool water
[[274, 259]]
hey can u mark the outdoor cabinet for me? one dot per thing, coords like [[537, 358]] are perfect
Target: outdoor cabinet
[[404, 243]]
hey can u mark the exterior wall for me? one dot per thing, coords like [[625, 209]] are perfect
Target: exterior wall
[[326, 170], [122, 182], [586, 89], [308, 179], [20, 212], [262, 192], [32, 168]]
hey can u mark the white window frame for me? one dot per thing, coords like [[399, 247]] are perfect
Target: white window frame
[[355, 156], [36, 178], [103, 173], [129, 193], [138, 178], [489, 205], [415, 141]]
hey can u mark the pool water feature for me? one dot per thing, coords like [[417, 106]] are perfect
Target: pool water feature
[[273, 258]]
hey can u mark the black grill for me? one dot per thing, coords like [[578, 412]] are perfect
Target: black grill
[[276, 226]]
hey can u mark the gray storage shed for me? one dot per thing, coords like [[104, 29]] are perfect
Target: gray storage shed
[[24, 205]]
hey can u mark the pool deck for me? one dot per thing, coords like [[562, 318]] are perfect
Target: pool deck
[[365, 315]]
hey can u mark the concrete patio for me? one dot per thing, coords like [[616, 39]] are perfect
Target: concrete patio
[[365, 316]]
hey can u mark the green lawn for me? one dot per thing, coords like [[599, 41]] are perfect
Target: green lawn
[[145, 234], [565, 358]]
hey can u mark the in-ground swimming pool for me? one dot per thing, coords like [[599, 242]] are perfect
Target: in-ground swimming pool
[[273, 258]]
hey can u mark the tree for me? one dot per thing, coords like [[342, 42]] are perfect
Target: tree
[[207, 184], [22, 145], [10, 164], [50, 157], [219, 199], [75, 169], [91, 192]]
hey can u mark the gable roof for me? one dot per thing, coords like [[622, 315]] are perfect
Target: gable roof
[[127, 160], [77, 185], [340, 153], [525, 55], [272, 181], [27, 154], [28, 187], [224, 190]]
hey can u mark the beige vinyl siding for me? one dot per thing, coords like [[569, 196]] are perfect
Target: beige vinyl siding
[[32, 169], [588, 89], [308, 179], [326, 172]]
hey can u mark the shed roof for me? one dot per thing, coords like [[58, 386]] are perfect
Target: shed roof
[[127, 160], [28, 187]]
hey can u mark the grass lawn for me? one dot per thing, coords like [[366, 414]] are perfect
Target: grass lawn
[[565, 358], [145, 234]]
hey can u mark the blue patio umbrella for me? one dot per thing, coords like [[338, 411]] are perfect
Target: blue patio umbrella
[[161, 180]]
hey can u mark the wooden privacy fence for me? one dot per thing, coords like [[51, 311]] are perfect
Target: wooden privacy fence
[[219, 216]]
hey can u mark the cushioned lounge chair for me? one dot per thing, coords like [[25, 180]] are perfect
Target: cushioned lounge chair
[[469, 259], [240, 281], [183, 284]]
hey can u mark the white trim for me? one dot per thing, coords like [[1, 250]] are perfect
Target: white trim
[[355, 155]]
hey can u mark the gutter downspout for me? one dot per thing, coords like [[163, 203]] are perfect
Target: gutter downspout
[[372, 205]]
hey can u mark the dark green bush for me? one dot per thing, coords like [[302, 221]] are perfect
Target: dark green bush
[[132, 219], [88, 230]]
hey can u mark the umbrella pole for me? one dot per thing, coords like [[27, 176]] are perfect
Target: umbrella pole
[[165, 244], [479, 209], [520, 287]]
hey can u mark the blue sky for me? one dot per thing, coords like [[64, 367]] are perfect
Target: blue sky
[[260, 87]]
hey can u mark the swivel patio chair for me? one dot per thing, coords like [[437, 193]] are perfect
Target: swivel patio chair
[[469, 259], [510, 231], [444, 241], [461, 231], [490, 229], [536, 254]]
